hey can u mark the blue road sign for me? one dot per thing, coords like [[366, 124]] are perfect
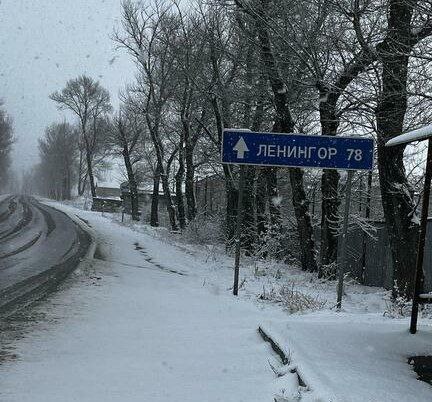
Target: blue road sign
[[296, 150]]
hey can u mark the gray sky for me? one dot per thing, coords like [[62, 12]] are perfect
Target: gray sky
[[43, 43]]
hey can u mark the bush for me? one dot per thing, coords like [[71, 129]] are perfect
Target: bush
[[398, 305], [398, 308], [204, 230], [293, 300], [275, 244]]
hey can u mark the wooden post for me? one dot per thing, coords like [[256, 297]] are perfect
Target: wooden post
[[418, 275], [343, 262], [238, 231]]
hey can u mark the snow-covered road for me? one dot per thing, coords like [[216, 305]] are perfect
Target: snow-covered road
[[153, 320], [33, 239], [144, 331]]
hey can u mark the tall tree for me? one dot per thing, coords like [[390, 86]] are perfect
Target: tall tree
[[284, 123], [124, 138], [57, 166], [225, 48], [188, 103], [88, 100], [147, 36], [403, 33]]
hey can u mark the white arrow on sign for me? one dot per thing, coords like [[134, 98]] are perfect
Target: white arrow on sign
[[241, 148]]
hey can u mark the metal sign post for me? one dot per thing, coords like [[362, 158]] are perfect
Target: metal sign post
[[238, 231], [244, 147], [343, 262]]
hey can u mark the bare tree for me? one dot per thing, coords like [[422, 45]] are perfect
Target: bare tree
[[147, 36], [125, 140], [284, 123], [57, 166], [403, 33], [189, 103], [88, 100]]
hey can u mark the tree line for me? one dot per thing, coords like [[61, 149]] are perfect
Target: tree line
[[6, 142], [357, 67]]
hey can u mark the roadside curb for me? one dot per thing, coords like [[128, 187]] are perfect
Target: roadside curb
[[85, 227], [30, 290]]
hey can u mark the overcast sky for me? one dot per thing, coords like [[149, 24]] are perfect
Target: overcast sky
[[43, 43]]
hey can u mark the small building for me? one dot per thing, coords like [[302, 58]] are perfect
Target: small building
[[145, 196], [107, 199]]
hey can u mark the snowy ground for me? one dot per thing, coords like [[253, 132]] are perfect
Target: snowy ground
[[154, 320]]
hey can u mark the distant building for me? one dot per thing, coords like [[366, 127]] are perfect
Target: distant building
[[144, 202], [107, 199]]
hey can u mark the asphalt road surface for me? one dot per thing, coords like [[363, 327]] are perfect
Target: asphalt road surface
[[35, 239]]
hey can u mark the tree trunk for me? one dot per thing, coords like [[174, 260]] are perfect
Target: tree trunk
[[329, 216], [189, 147], [273, 198], [367, 216], [90, 174], [163, 174], [154, 212], [397, 201], [168, 200], [285, 123], [259, 177], [82, 177], [189, 183], [260, 200], [82, 186], [133, 188], [248, 220], [89, 165], [329, 179], [330, 120], [231, 190], [179, 191], [304, 225]]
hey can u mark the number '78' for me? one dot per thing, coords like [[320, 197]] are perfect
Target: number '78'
[[357, 154]]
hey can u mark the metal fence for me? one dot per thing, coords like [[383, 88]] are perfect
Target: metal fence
[[369, 258]]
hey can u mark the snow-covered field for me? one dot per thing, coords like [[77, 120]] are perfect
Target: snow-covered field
[[153, 319]]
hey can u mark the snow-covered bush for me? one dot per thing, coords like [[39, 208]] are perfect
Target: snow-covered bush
[[293, 300], [275, 244], [426, 311], [329, 271], [204, 230], [398, 305]]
